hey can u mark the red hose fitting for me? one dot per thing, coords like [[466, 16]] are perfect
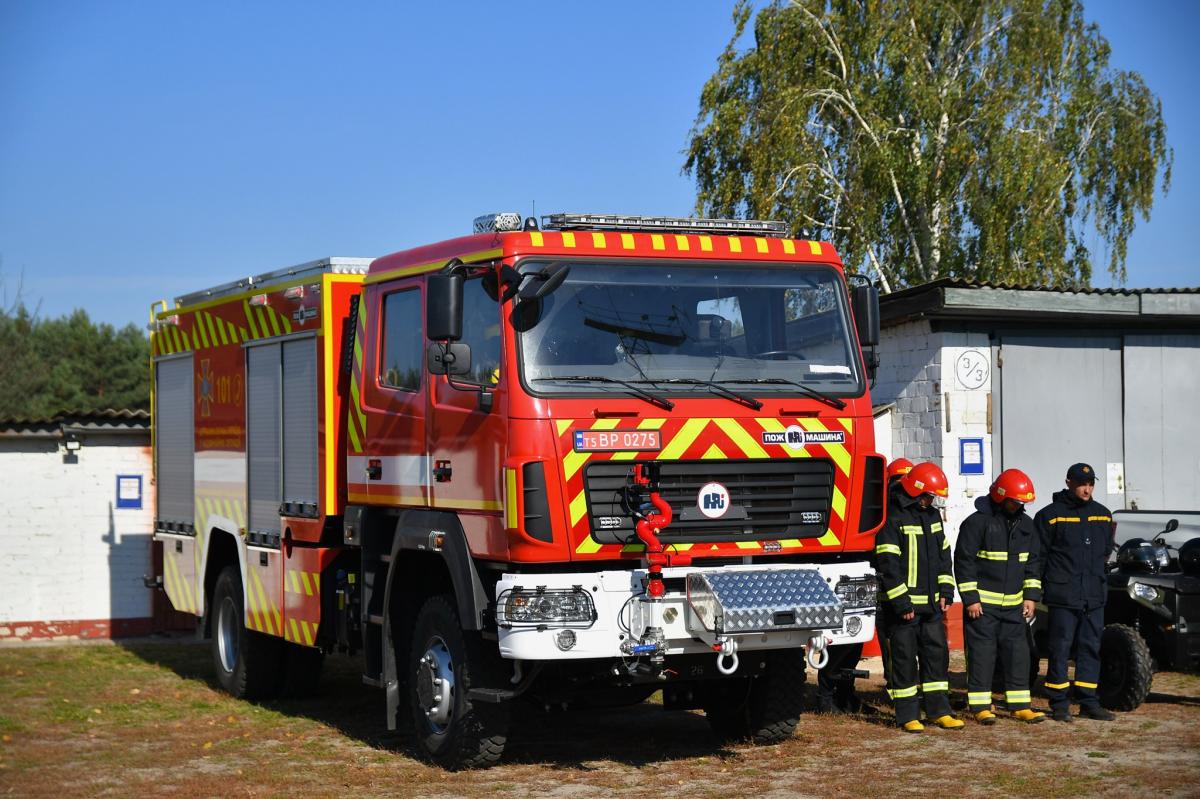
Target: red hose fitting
[[648, 528]]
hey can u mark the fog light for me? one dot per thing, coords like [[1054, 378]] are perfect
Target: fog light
[[565, 639], [853, 625]]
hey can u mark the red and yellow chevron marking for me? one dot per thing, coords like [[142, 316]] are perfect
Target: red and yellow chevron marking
[[262, 611], [178, 579], [302, 582], [357, 426], [705, 439], [677, 243]]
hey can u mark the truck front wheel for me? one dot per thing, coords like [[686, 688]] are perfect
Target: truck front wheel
[[247, 662], [443, 665], [764, 709]]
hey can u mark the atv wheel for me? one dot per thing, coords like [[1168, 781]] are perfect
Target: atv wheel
[[764, 708], [246, 662], [1125, 672], [443, 665]]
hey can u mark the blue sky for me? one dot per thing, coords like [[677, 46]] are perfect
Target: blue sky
[[148, 149]]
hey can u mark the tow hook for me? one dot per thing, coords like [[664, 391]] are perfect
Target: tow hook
[[727, 658], [816, 654]]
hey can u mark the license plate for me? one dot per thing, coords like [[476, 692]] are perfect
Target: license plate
[[617, 440]]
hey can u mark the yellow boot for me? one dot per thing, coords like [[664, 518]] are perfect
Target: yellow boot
[[1029, 715], [986, 717], [948, 722], [914, 726]]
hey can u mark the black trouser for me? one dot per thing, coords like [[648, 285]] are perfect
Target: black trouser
[[1081, 629], [915, 662], [834, 688], [998, 632]]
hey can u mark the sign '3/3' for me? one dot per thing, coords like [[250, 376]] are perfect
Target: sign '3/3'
[[972, 369]]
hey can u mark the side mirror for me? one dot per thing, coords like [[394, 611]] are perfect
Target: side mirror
[[1172, 526], [866, 315], [452, 358], [539, 284], [444, 308]]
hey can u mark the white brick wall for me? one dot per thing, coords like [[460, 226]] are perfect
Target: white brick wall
[[917, 372], [66, 551]]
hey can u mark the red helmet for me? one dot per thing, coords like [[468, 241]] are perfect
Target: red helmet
[[925, 478], [899, 468], [1012, 484]]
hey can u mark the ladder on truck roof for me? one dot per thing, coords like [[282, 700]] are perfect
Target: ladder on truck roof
[[336, 266]]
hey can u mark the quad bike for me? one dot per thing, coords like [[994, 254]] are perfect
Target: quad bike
[[1153, 591]]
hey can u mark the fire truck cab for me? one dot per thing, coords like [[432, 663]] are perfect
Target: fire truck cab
[[585, 459]]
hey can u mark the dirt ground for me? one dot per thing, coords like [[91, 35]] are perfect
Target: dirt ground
[[144, 719]]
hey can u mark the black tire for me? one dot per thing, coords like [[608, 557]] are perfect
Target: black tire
[[301, 670], [246, 662], [458, 734], [764, 708], [1125, 668]]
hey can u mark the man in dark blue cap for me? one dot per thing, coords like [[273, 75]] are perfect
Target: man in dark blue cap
[[1076, 538]]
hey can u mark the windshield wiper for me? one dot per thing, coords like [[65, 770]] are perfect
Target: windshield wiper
[[656, 336], [717, 388], [779, 381], [637, 391]]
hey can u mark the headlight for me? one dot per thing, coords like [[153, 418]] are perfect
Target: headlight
[[558, 607], [1145, 593], [857, 593]]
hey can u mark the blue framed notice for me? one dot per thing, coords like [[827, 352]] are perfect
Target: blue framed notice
[[970, 456], [129, 491]]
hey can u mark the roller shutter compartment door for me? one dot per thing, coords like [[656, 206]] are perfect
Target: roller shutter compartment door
[[300, 426], [263, 412], [174, 440]]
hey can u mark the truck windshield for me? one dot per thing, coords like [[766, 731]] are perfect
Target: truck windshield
[[678, 328]]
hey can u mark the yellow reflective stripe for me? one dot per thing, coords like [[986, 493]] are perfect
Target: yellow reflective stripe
[[945, 543], [919, 599], [899, 590], [986, 555], [927, 687], [979, 698], [912, 529], [970, 585], [887, 549], [1099, 518], [1032, 583], [1023, 557], [945, 579], [936, 527], [1057, 686], [902, 693], [1082, 684], [1058, 519], [1017, 696], [996, 598]]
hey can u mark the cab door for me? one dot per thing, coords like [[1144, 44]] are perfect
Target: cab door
[[388, 463], [467, 439]]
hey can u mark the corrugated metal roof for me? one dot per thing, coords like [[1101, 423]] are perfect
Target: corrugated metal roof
[[958, 283], [109, 420]]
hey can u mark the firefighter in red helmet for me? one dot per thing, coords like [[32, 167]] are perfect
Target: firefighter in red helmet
[[995, 561], [913, 562]]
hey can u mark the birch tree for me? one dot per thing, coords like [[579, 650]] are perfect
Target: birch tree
[[979, 139]]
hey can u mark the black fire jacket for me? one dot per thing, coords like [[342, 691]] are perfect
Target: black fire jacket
[[1076, 539], [912, 556], [995, 559]]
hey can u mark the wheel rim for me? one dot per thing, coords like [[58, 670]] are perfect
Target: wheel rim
[[435, 685], [227, 619]]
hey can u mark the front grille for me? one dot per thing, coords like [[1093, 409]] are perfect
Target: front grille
[[768, 499]]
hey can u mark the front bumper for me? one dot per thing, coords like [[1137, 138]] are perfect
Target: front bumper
[[620, 613]]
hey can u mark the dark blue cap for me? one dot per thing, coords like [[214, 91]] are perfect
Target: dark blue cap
[[1081, 473]]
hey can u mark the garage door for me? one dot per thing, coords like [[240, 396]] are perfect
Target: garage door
[[1162, 427], [1061, 402]]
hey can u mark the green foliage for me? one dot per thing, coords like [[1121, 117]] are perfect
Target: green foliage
[[69, 364], [981, 139]]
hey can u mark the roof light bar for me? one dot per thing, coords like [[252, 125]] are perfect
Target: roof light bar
[[497, 223], [725, 227]]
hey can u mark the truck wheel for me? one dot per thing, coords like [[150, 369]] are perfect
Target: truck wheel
[[766, 709], [443, 664], [247, 662], [1125, 671], [301, 670]]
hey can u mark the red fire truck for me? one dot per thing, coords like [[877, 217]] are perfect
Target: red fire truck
[[586, 459]]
